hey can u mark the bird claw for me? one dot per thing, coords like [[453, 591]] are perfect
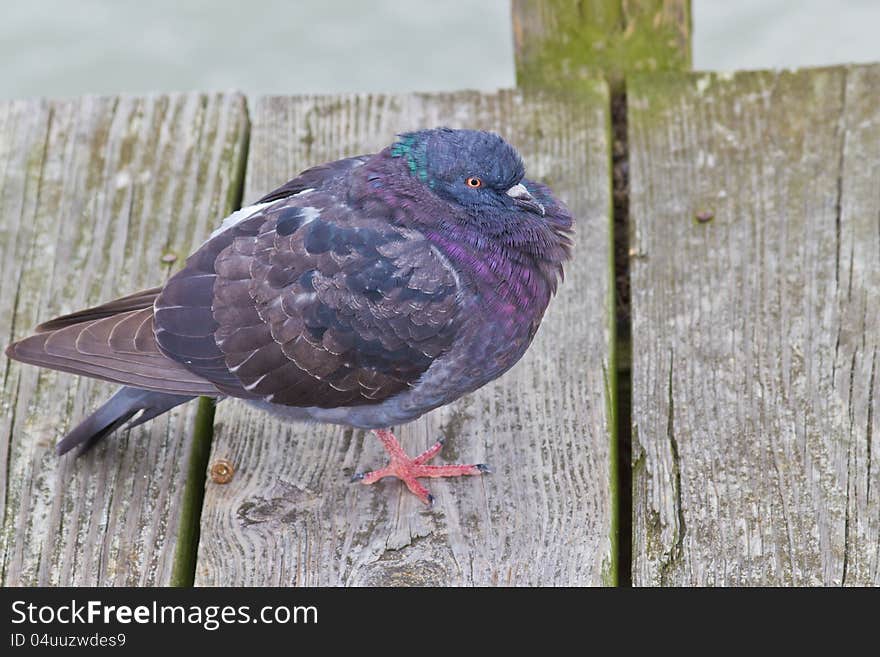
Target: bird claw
[[410, 470]]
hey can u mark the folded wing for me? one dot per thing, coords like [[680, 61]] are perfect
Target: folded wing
[[307, 302], [120, 348]]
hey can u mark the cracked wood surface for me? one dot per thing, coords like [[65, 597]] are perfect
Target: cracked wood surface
[[756, 392], [93, 193], [290, 516]]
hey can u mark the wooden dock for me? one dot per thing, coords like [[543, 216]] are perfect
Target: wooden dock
[[750, 342]]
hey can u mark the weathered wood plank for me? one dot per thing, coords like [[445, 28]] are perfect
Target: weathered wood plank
[[559, 41], [756, 332], [290, 516], [93, 193]]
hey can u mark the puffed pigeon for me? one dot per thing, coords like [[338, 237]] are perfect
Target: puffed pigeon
[[364, 292]]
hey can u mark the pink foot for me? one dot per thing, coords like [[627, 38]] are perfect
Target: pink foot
[[409, 470]]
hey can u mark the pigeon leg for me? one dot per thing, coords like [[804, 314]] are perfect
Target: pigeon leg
[[410, 470]]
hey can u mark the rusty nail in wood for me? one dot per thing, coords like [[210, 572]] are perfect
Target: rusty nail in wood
[[222, 471], [169, 258], [704, 216]]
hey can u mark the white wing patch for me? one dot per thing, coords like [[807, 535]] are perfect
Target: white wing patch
[[309, 214], [245, 213], [238, 216]]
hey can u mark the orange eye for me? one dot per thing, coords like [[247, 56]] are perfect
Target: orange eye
[[474, 182]]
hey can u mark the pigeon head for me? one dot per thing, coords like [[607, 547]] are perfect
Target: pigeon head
[[476, 170], [466, 191]]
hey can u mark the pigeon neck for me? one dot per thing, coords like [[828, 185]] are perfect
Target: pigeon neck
[[508, 282], [511, 280], [411, 152]]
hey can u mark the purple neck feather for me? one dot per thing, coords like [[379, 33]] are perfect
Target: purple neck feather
[[510, 287], [510, 281]]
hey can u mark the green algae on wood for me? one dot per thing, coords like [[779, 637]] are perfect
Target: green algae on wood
[[184, 566], [560, 41]]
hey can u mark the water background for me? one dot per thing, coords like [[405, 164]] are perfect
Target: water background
[[71, 47]]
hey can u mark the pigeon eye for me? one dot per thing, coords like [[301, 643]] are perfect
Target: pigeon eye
[[474, 182]]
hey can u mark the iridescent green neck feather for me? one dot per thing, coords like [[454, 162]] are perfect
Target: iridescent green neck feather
[[414, 149]]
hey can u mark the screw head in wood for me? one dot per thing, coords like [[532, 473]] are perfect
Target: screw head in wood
[[222, 471]]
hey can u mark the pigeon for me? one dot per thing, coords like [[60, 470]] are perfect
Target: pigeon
[[364, 292]]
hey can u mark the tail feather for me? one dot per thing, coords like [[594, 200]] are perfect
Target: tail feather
[[120, 348], [116, 411]]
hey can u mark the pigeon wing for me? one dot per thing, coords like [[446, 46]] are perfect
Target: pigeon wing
[[316, 178], [136, 301], [309, 302]]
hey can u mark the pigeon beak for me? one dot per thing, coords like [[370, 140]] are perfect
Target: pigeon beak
[[522, 198]]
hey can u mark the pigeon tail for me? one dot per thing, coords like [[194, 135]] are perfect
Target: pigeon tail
[[116, 411]]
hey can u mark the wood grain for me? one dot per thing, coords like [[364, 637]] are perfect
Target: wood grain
[[93, 193], [290, 516], [756, 392]]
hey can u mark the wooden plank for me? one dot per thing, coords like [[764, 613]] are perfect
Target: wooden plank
[[756, 330], [94, 193], [290, 516], [560, 41]]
